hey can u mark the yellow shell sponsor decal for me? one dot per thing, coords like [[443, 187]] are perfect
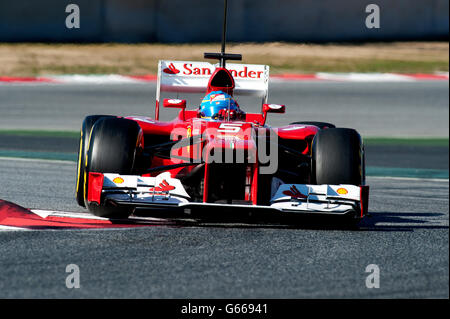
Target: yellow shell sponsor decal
[[118, 180], [342, 191]]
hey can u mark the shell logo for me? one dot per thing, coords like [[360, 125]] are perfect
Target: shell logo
[[118, 180], [342, 191]]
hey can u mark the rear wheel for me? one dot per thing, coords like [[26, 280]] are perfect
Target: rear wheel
[[113, 148], [337, 157], [86, 128]]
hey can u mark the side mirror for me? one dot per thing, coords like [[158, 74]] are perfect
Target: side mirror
[[272, 108], [175, 103]]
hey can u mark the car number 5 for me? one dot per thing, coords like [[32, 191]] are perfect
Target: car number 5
[[229, 127]]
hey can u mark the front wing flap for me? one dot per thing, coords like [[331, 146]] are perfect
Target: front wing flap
[[163, 191]]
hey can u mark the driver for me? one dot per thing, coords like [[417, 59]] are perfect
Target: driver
[[219, 105]]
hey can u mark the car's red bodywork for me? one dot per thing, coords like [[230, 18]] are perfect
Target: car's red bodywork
[[232, 159], [217, 136], [233, 163]]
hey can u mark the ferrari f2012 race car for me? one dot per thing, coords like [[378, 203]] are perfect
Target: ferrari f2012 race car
[[216, 155]]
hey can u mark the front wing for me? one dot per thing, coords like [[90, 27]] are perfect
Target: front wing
[[163, 191]]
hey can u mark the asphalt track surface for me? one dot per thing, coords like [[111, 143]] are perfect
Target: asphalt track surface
[[407, 235], [406, 109]]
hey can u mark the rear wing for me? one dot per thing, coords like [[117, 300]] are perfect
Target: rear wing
[[193, 77]]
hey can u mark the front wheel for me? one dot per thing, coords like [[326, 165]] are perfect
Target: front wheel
[[338, 157], [113, 148], [86, 128]]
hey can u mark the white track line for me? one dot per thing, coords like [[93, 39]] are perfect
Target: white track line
[[45, 213], [11, 228], [104, 79], [94, 79]]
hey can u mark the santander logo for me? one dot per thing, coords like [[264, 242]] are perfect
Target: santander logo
[[171, 69], [204, 70], [294, 192], [163, 187]]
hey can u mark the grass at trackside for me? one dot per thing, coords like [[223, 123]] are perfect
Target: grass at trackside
[[442, 142], [406, 172], [40, 59], [59, 156], [417, 141], [39, 133]]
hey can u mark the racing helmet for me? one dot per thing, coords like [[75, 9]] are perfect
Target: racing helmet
[[214, 102]]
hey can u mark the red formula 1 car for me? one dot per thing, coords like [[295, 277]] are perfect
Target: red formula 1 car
[[216, 155]]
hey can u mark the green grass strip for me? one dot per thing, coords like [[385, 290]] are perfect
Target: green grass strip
[[67, 134], [407, 172], [407, 141], [40, 155]]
